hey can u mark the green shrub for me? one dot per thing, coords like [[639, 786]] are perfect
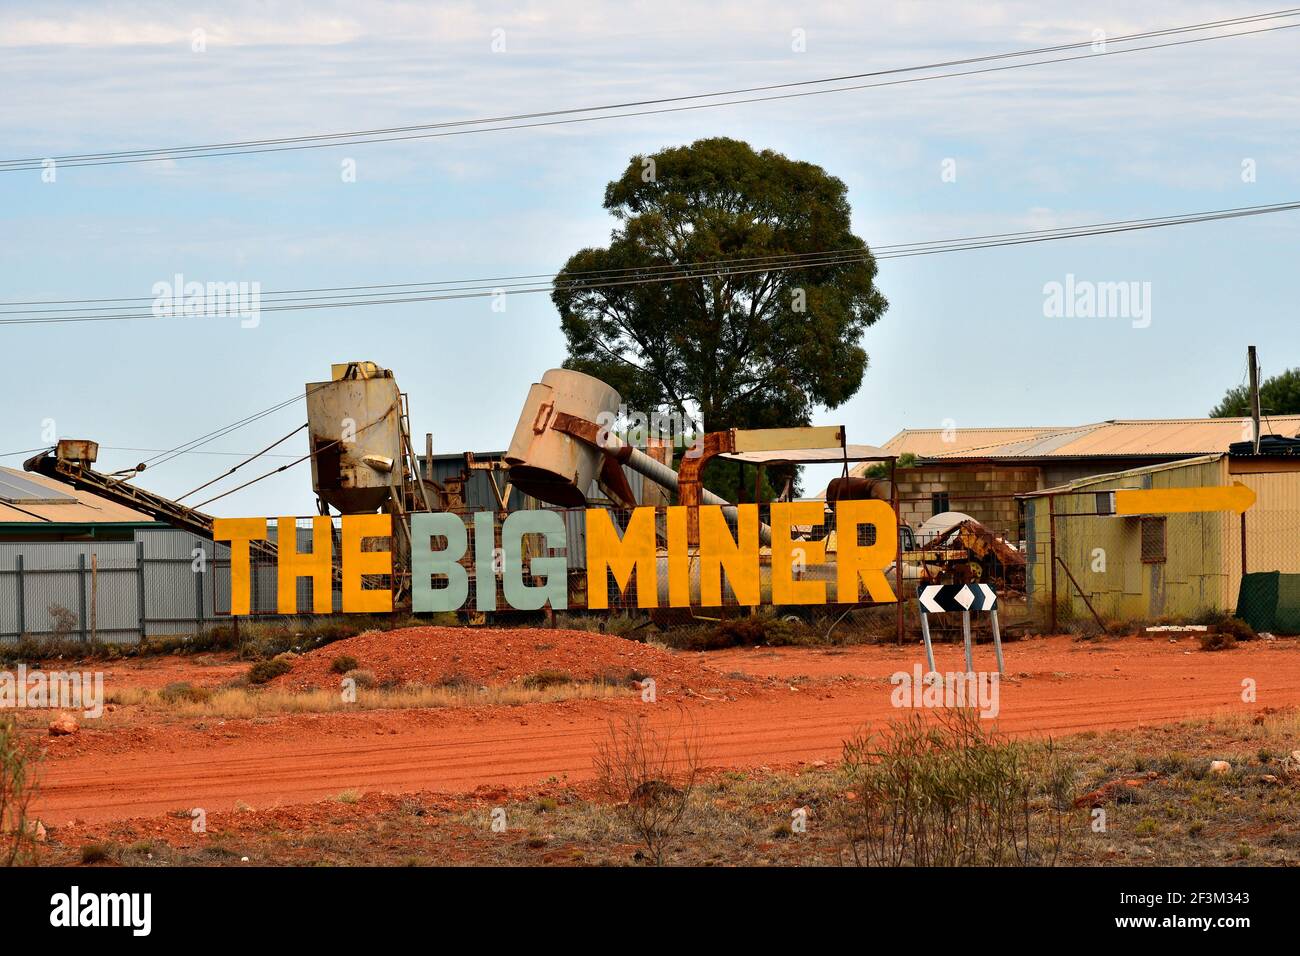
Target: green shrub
[[1217, 641], [183, 692], [344, 663], [264, 671]]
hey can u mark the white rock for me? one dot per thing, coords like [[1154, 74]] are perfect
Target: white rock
[[1220, 766]]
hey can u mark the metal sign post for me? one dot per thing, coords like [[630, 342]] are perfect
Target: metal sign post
[[942, 598]]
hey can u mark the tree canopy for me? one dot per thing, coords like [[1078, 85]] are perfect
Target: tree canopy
[[755, 346], [1278, 395]]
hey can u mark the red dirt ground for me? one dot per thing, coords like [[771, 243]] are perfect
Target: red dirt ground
[[801, 704], [426, 655]]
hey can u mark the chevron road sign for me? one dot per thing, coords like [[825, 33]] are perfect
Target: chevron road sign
[[937, 598]]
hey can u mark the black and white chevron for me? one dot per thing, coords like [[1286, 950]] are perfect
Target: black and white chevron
[[936, 598]]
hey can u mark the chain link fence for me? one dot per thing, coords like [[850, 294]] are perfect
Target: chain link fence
[[1086, 563]]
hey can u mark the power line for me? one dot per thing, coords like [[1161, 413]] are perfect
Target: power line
[[772, 260], [675, 272], [459, 285], [253, 457], [227, 454], [189, 446], [626, 109], [25, 451]]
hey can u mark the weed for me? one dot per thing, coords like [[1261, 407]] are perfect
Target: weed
[[946, 792], [636, 767], [344, 663], [16, 791], [264, 671], [546, 678], [93, 853], [184, 692]]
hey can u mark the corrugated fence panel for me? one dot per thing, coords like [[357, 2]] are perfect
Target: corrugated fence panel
[[71, 590]]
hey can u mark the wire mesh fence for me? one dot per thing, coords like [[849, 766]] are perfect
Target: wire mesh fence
[[1067, 553], [1087, 563]]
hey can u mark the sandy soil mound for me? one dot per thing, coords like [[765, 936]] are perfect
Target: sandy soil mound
[[429, 655]]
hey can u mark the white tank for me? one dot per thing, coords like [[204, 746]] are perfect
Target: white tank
[[549, 465]]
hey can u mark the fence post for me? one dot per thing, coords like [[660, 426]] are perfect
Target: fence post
[[1051, 530], [198, 593], [81, 594], [139, 587], [22, 597], [898, 552], [1243, 544], [94, 596]]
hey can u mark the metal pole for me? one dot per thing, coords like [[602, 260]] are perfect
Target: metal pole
[[94, 596], [1051, 530], [139, 588], [925, 634], [965, 632], [1243, 544], [1254, 393], [81, 594], [997, 635], [1096, 617], [898, 562], [198, 600], [22, 597]]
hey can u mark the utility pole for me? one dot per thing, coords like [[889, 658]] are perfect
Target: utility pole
[[1254, 393]]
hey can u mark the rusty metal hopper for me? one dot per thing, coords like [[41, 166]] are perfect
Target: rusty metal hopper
[[548, 464], [354, 424]]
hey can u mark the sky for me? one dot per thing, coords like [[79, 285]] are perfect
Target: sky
[[967, 340]]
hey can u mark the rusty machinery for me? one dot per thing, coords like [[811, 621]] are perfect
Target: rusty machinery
[[560, 446]]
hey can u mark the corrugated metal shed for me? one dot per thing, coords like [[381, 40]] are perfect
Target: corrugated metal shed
[[64, 505], [1201, 569]]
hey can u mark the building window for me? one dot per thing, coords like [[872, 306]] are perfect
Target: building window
[[939, 503], [1153, 540], [1105, 502]]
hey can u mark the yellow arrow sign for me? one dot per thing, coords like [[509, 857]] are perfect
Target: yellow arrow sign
[[1235, 497]]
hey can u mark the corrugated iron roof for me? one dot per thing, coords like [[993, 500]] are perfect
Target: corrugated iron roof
[[84, 507], [1121, 438], [929, 442]]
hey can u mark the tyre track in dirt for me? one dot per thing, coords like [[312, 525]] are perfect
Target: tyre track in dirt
[[780, 728]]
